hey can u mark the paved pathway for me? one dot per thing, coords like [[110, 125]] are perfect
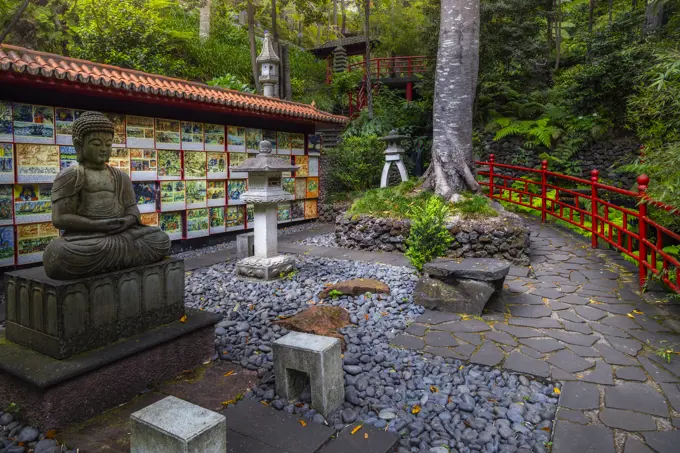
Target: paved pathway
[[576, 317]]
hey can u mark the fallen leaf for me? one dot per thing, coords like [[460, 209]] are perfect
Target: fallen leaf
[[461, 367], [595, 302], [557, 391], [365, 435], [229, 373], [227, 403], [356, 428], [265, 403], [299, 404], [433, 389], [415, 409], [51, 434], [384, 313], [630, 315], [638, 312], [303, 423], [183, 318], [546, 429], [366, 316]]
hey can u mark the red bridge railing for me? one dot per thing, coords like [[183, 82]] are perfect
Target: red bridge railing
[[394, 67], [581, 203]]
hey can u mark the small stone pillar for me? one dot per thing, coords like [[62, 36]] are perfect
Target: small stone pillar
[[173, 425], [393, 154], [265, 191], [268, 63]]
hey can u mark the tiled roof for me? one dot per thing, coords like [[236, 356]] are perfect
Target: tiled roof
[[27, 61]]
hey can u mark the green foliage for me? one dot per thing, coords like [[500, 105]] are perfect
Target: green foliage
[[428, 237], [231, 82], [394, 201], [473, 206], [355, 165], [334, 294]]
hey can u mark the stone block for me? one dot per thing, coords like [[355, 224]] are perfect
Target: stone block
[[173, 425], [484, 269], [265, 268], [245, 245], [61, 318], [47, 390], [460, 296], [299, 357]]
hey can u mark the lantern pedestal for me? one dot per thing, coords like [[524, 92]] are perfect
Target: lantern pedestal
[[393, 154], [265, 192], [266, 264]]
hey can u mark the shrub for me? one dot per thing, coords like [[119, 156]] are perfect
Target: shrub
[[428, 237], [356, 164], [231, 82]]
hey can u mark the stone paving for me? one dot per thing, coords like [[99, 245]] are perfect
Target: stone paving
[[575, 316]]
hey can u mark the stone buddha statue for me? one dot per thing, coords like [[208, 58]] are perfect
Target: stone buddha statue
[[95, 206]]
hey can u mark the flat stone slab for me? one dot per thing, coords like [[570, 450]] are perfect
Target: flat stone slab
[[664, 441], [672, 392], [569, 362], [602, 374], [631, 373], [408, 342], [530, 311], [453, 296], [636, 397], [628, 420], [501, 337], [543, 344], [484, 269], [439, 338], [437, 317], [523, 364], [274, 428], [470, 326], [580, 396], [376, 441], [488, 355], [571, 437], [572, 338], [519, 332]]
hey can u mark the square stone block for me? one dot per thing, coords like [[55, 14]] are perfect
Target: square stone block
[[245, 245], [273, 268], [299, 357], [173, 425], [61, 318]]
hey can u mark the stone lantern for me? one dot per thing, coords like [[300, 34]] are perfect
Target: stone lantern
[[393, 154], [265, 191], [268, 62]]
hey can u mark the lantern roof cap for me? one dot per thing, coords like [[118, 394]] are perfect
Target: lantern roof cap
[[393, 135], [265, 161], [268, 55]]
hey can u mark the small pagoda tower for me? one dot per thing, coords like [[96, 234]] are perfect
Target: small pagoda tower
[[268, 63]]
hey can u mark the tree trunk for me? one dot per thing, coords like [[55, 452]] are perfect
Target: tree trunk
[[451, 169], [14, 20], [344, 17], [369, 89], [558, 33], [335, 15], [653, 15], [253, 48], [275, 28], [204, 21]]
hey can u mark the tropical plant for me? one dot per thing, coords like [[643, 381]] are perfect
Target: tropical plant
[[428, 237], [231, 82]]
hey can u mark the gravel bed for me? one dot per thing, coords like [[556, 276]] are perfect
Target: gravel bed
[[232, 244], [460, 408], [322, 240], [13, 433]]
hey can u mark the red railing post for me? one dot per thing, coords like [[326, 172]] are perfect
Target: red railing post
[[378, 65], [643, 182], [408, 60], [492, 159], [544, 190], [594, 176]]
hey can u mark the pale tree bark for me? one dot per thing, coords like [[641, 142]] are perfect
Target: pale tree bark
[[344, 17], [558, 33], [451, 169], [253, 47], [204, 20], [275, 28], [369, 88]]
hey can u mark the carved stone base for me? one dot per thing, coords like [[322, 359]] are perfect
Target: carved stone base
[[61, 318], [265, 268], [56, 393]]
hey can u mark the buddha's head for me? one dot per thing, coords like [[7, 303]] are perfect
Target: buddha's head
[[92, 138]]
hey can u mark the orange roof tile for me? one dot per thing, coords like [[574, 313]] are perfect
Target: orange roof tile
[[19, 59]]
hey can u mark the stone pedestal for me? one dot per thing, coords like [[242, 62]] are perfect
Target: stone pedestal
[[467, 287], [301, 357], [173, 425], [56, 393], [245, 245], [60, 318]]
